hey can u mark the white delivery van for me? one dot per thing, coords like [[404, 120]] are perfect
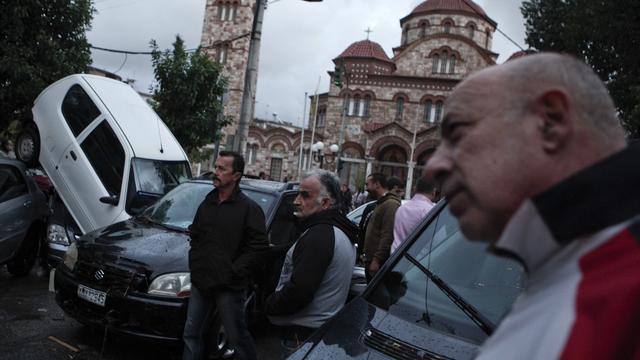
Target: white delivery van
[[106, 152]]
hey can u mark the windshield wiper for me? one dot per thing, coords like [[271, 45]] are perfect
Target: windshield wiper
[[485, 324], [147, 219]]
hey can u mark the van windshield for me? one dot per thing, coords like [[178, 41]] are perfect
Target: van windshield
[[158, 177]]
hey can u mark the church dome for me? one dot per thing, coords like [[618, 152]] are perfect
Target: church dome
[[365, 49], [467, 7]]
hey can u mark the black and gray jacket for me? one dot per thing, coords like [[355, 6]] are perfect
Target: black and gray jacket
[[316, 275]]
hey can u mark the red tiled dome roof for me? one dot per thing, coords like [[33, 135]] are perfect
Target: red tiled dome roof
[[521, 53], [365, 49], [467, 6], [457, 5]]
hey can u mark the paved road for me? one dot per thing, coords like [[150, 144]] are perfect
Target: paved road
[[29, 315]]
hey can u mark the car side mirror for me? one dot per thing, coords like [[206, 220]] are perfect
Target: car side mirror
[[111, 200]]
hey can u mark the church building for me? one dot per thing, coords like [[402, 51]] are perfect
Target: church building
[[382, 112]]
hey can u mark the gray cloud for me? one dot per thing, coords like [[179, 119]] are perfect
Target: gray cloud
[[299, 39]]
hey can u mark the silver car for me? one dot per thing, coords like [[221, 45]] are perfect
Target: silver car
[[23, 210]]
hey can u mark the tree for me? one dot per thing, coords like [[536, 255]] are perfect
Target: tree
[[605, 33], [40, 42], [188, 94]]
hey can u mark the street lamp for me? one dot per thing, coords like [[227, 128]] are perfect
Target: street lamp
[[251, 77], [317, 150]]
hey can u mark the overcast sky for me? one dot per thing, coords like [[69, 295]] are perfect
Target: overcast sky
[[299, 39]]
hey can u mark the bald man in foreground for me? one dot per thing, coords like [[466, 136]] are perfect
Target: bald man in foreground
[[540, 171]]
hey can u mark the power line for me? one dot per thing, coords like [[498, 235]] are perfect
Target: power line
[[497, 29], [150, 52]]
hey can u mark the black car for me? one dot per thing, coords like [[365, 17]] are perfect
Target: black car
[[438, 297], [23, 212], [134, 275]]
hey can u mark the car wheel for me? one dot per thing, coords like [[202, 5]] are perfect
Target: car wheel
[[27, 144], [27, 254]]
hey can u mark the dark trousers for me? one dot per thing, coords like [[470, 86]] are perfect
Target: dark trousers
[[200, 316], [291, 337]]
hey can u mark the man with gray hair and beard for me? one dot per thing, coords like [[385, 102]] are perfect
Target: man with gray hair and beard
[[316, 275], [540, 171]]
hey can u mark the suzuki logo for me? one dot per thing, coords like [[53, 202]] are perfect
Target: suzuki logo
[[99, 275]]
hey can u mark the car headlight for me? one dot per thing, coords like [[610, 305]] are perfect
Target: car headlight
[[71, 256], [57, 234], [171, 285]]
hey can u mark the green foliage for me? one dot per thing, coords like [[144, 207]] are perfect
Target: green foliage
[[40, 42], [188, 94], [606, 34]]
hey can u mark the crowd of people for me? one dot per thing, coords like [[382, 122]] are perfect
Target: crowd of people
[[540, 171]]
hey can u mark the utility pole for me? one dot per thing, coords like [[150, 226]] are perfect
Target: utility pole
[[251, 78], [301, 159], [342, 73], [411, 163]]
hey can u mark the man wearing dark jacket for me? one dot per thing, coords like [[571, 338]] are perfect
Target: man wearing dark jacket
[[316, 275], [379, 228], [227, 236]]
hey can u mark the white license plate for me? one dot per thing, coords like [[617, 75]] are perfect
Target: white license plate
[[92, 295]]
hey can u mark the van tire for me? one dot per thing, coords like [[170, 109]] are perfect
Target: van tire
[[27, 146], [26, 256]]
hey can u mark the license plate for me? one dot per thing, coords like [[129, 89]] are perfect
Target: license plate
[[92, 295]]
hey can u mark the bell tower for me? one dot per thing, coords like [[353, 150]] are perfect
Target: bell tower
[[225, 38]]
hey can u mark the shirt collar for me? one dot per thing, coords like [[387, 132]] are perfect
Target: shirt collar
[[595, 198]]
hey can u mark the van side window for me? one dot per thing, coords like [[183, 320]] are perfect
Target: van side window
[[12, 183], [106, 155], [78, 109]]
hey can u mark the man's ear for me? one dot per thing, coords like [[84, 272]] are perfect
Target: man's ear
[[237, 175], [555, 124]]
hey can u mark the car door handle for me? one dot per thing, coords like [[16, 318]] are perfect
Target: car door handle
[[73, 155], [27, 203]]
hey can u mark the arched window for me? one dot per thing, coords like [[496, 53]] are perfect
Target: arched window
[[345, 105], [399, 108], [443, 63], [365, 106], [227, 10], [234, 11], [438, 116], [320, 117], [222, 53], [405, 31], [423, 30], [487, 36], [251, 153], [472, 30], [452, 64], [428, 108], [356, 105], [222, 12], [447, 26], [436, 63]]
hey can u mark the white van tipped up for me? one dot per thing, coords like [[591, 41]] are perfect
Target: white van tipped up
[[107, 153]]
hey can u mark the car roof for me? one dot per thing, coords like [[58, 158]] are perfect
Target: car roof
[[258, 185]]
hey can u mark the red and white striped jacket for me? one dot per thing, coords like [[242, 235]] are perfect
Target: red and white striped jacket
[[580, 242]]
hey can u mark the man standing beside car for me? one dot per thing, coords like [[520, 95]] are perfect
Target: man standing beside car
[[316, 275], [227, 237], [379, 228], [412, 212], [540, 171]]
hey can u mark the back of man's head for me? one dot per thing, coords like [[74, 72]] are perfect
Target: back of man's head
[[425, 186], [381, 179], [394, 182]]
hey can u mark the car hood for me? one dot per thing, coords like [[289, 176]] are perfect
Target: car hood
[[364, 331], [148, 248]]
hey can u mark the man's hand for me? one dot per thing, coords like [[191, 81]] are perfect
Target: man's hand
[[374, 266]]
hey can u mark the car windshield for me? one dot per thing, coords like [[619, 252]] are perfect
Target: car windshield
[[178, 208], [471, 280], [158, 177]]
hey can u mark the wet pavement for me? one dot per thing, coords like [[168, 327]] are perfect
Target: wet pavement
[[32, 326]]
